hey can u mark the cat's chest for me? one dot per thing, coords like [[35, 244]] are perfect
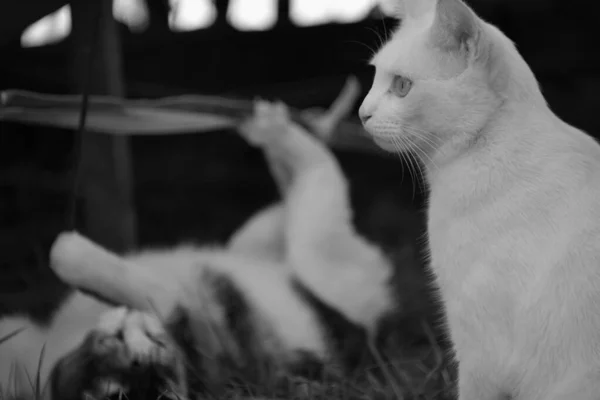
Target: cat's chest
[[479, 295], [462, 253], [478, 247], [476, 265]]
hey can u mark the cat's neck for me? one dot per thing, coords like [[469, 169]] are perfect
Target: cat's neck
[[519, 143], [512, 126], [521, 112]]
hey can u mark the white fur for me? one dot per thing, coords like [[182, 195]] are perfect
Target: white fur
[[337, 260], [513, 216]]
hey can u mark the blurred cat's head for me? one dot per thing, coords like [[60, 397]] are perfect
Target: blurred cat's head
[[441, 78]]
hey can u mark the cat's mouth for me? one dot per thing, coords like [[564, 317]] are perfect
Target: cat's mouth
[[386, 141], [387, 145]]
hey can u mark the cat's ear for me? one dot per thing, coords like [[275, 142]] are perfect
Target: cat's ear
[[456, 28], [409, 9], [390, 8]]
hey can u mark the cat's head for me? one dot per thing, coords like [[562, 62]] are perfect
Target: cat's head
[[440, 78]]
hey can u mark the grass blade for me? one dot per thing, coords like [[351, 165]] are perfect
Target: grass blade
[[11, 335], [38, 383]]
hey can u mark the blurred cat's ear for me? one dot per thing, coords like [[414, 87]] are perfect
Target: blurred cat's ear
[[392, 8], [408, 9], [388, 7]]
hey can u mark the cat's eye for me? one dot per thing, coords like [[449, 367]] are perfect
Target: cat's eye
[[401, 86]]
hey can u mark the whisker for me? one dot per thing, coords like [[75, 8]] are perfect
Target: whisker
[[415, 165], [401, 140], [421, 152], [425, 138], [386, 32], [425, 156], [378, 35], [422, 134], [417, 169], [400, 155], [371, 49], [417, 152], [420, 169]]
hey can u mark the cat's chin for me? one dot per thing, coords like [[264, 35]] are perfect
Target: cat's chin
[[387, 144]]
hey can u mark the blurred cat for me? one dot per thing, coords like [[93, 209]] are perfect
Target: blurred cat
[[295, 290], [513, 214]]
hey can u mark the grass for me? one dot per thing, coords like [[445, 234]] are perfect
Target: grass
[[420, 372], [399, 371], [402, 373], [35, 383]]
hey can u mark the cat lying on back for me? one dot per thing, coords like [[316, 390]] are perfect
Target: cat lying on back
[[514, 210], [295, 287]]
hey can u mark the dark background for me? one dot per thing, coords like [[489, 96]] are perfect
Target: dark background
[[201, 187]]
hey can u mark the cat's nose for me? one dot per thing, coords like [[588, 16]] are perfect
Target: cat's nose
[[364, 115]]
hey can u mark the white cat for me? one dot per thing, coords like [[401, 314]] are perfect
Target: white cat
[[514, 210], [268, 296]]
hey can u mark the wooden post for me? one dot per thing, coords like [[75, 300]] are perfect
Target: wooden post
[[106, 182]]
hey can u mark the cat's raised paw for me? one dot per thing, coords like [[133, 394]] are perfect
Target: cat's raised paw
[[129, 338], [146, 340], [128, 351], [269, 122]]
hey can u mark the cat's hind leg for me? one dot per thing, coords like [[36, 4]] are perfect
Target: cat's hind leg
[[322, 247], [262, 235]]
